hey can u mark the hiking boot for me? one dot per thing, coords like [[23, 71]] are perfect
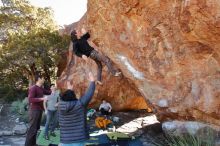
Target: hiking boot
[[99, 82], [53, 134], [46, 137], [117, 74]]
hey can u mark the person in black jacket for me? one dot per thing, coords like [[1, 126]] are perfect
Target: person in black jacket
[[82, 48]]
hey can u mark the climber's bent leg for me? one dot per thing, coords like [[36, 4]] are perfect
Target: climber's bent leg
[[106, 60], [99, 64]]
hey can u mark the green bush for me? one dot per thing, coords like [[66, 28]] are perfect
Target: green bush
[[19, 108], [9, 94]]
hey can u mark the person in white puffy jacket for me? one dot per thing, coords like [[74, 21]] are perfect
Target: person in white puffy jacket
[[105, 108]]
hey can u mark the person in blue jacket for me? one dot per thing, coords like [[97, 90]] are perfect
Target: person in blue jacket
[[85, 49], [72, 115]]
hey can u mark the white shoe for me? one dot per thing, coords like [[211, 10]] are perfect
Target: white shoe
[[117, 74], [99, 82]]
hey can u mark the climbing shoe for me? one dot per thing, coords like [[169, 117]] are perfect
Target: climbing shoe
[[117, 74], [99, 83]]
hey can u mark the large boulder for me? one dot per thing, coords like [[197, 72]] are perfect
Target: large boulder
[[167, 50], [119, 91], [187, 129], [20, 129], [193, 128]]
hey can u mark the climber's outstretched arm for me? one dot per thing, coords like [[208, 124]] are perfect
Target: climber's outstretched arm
[[86, 34]]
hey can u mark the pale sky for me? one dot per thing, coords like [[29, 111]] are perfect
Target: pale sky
[[65, 11]]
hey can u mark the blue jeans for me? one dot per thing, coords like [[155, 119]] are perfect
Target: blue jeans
[[73, 144], [51, 120]]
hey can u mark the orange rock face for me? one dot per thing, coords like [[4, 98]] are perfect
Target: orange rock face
[[168, 52], [117, 90]]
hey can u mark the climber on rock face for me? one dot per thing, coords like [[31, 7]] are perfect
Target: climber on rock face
[[84, 49]]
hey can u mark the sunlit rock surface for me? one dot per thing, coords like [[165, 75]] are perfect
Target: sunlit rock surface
[[167, 50]]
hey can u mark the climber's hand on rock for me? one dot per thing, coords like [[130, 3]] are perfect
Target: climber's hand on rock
[[84, 57], [91, 77], [83, 31], [69, 86]]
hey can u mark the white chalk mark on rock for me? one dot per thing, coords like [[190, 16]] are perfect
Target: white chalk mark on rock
[[131, 69]]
